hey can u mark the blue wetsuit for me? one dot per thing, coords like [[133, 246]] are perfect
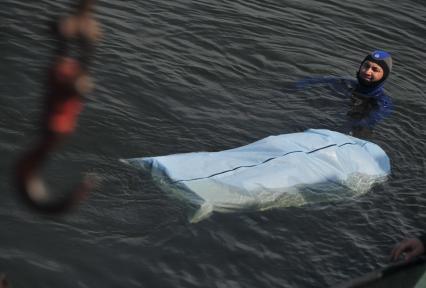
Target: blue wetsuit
[[369, 104]]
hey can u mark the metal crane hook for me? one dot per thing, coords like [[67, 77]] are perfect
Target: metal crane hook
[[68, 82]]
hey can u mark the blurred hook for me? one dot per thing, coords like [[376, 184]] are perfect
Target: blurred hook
[[68, 81], [34, 193]]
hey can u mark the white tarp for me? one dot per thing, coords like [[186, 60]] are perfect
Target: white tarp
[[277, 171]]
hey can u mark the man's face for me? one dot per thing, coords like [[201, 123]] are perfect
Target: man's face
[[371, 72]]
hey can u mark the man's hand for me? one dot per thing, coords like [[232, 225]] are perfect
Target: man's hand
[[411, 247]]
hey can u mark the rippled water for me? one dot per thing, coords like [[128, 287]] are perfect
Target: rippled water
[[180, 76]]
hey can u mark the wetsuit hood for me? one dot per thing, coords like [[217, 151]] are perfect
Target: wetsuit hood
[[384, 60]]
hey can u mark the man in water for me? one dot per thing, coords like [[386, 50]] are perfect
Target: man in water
[[369, 102]]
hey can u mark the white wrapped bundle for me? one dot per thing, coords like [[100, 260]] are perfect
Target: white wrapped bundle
[[277, 171]]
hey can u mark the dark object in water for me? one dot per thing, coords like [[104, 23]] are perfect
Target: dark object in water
[[399, 275]]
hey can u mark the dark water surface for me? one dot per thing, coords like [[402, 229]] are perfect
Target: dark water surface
[[181, 76]]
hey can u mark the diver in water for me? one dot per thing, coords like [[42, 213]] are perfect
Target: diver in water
[[369, 103]]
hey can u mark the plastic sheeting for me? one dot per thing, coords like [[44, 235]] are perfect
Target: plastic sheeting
[[277, 171]]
